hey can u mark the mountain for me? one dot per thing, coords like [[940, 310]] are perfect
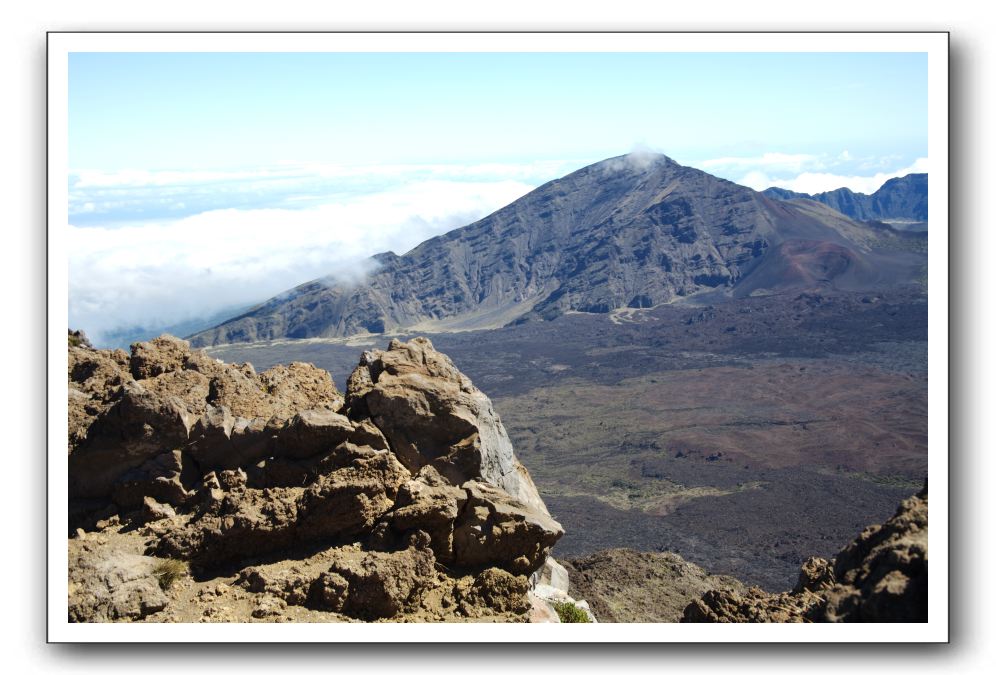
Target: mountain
[[632, 231], [899, 199]]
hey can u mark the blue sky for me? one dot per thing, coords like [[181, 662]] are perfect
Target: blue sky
[[288, 166], [184, 111]]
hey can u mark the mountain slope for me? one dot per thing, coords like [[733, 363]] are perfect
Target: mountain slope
[[898, 199], [632, 231]]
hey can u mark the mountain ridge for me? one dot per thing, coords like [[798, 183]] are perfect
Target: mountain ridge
[[902, 198], [631, 231]]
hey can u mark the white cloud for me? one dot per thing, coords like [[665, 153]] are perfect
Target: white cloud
[[816, 182], [770, 161], [160, 273]]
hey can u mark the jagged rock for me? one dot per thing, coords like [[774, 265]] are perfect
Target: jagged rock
[[126, 411], [161, 478], [161, 355], [432, 414], [214, 464], [882, 575], [138, 427], [495, 590], [253, 522], [752, 605], [153, 510], [428, 504], [219, 440], [267, 607], [107, 585], [232, 479], [300, 386], [95, 379], [311, 432], [78, 338], [374, 585], [816, 574], [293, 585], [188, 386], [496, 530]]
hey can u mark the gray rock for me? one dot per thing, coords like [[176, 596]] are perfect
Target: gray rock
[[109, 586]]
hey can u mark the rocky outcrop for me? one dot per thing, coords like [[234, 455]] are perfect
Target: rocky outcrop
[[434, 416], [404, 486], [880, 576]]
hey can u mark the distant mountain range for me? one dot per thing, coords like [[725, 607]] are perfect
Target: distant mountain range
[[632, 231], [899, 199]]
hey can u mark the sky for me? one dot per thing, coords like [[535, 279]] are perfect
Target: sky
[[201, 183]]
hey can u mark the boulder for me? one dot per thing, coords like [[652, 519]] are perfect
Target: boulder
[[107, 585], [494, 529], [139, 426], [299, 386], [220, 440], [432, 414], [374, 585], [311, 432]]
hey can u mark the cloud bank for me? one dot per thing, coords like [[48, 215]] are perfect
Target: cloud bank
[[155, 274], [812, 174]]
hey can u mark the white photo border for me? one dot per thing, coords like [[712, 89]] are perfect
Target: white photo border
[[934, 44]]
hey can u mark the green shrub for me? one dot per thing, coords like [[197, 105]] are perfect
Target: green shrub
[[570, 613], [168, 571]]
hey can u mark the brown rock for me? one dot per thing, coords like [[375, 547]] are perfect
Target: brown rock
[[428, 504], [378, 585], [311, 432], [161, 478], [495, 529], [882, 575], [752, 605], [252, 522], [432, 414], [816, 574], [160, 355], [153, 510], [108, 585], [300, 386], [138, 427]]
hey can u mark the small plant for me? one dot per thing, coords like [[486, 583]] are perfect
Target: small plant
[[570, 613], [168, 571]]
